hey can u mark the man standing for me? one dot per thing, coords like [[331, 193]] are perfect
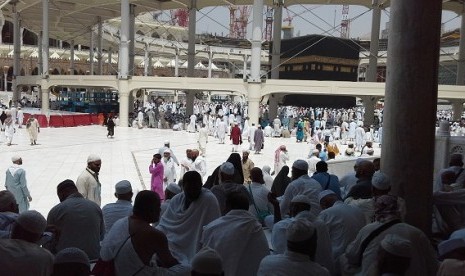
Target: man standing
[[78, 221], [169, 168], [235, 137], [87, 183], [185, 163], [20, 117], [251, 136], [222, 129], [202, 140], [156, 170], [258, 140], [198, 163], [16, 183], [121, 208], [276, 127], [247, 166], [33, 130], [9, 129], [166, 146]]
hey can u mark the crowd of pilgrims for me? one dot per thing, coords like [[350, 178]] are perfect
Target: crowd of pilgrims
[[240, 220]]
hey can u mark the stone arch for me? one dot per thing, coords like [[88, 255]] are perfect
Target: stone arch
[[170, 37], [55, 72], [35, 71], [139, 32], [155, 35], [22, 72]]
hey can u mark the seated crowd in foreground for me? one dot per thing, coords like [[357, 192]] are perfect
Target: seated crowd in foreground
[[312, 228]]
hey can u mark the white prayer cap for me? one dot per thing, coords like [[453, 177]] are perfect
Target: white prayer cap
[[300, 165], [324, 193], [93, 158], [72, 255], [6, 199], [301, 199], [380, 181], [246, 150], [450, 245], [227, 168], [370, 151], [15, 158], [300, 230], [123, 187], [266, 169], [207, 261], [32, 221], [174, 188], [315, 151], [349, 151], [167, 142], [397, 245], [167, 151]]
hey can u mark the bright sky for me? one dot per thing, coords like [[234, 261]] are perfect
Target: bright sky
[[311, 19]]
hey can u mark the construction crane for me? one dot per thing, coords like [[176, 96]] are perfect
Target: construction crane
[[268, 35], [345, 22], [238, 20], [180, 17]]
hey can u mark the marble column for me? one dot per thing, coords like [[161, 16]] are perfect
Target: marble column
[[411, 96]]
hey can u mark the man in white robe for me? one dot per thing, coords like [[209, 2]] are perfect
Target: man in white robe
[[16, 183], [352, 127], [140, 119], [191, 126], [221, 131], [237, 237], [198, 163], [359, 138], [276, 127], [343, 221], [298, 259], [251, 135], [186, 215], [202, 140], [20, 117], [186, 163], [300, 209], [169, 169]]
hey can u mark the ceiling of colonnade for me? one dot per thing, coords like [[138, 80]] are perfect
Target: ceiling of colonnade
[[72, 19]]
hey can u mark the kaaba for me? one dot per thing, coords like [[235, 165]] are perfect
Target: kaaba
[[318, 57]]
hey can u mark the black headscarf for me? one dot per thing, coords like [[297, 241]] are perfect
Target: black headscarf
[[281, 182], [214, 178]]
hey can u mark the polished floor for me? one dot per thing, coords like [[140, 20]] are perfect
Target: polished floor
[[61, 153]]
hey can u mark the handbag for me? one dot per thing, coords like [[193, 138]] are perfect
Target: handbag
[[107, 268], [261, 214]]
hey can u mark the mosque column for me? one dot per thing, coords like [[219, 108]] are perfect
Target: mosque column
[[40, 57], [91, 52], [372, 72], [132, 37], [146, 59], [99, 47], [176, 62], [71, 59], [191, 55], [461, 61], [17, 54], [457, 108], [150, 65], [254, 81], [272, 106], [123, 97], [131, 102], [45, 54], [244, 69], [411, 97], [369, 105], [276, 50], [210, 61], [109, 63]]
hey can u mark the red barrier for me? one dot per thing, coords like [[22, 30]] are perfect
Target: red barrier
[[81, 120], [26, 117], [42, 120], [56, 121], [68, 121], [101, 119], [94, 119]]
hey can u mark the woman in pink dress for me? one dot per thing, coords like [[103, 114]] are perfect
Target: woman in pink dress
[[156, 169]]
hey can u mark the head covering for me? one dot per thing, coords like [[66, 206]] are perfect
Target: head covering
[[450, 245], [277, 152], [300, 165], [349, 151], [167, 142], [207, 261], [93, 158], [32, 221], [458, 234], [15, 158], [6, 199], [174, 188], [315, 151], [266, 169], [123, 187], [386, 208], [301, 199], [380, 181], [227, 168], [397, 246], [324, 193], [300, 230], [72, 255], [167, 151]]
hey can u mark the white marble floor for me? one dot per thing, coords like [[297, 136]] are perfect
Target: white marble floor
[[61, 153]]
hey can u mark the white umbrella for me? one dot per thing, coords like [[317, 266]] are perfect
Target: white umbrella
[[158, 64], [199, 66], [214, 67], [185, 64], [172, 63]]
